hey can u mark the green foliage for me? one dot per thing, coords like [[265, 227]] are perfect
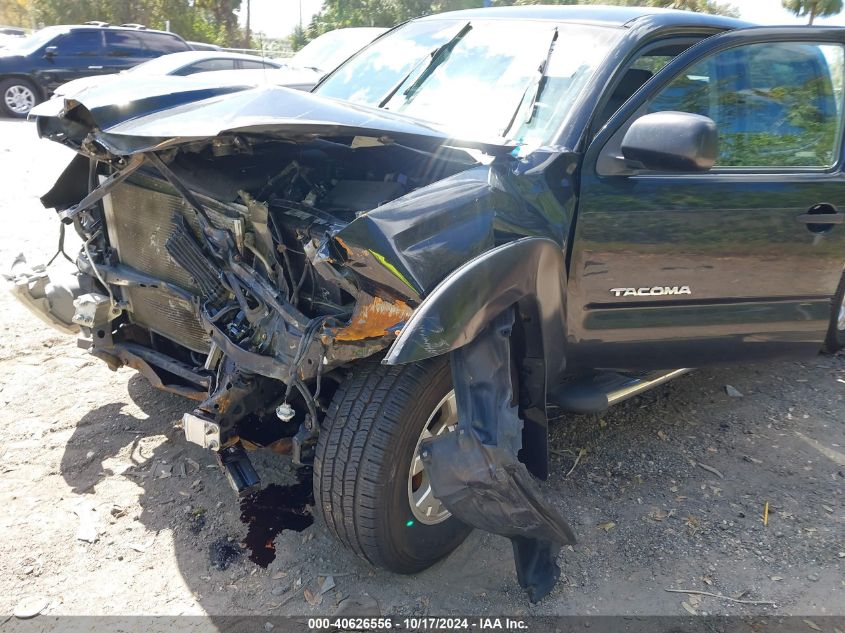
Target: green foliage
[[813, 8], [15, 13], [349, 13], [298, 38], [700, 6], [214, 21]]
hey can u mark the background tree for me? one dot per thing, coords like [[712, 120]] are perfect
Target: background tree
[[15, 13], [813, 8], [214, 21], [298, 38], [336, 14]]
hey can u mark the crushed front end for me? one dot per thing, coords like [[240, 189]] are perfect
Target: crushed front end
[[216, 269], [248, 259]]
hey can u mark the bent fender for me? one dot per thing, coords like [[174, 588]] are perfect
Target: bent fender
[[468, 299], [475, 471]]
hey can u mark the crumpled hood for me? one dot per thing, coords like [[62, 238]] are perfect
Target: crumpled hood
[[162, 112]]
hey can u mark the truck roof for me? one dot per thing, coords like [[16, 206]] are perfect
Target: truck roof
[[597, 14], [109, 27]]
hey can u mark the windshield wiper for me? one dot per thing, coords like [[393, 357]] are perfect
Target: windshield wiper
[[537, 86], [402, 81], [438, 56]]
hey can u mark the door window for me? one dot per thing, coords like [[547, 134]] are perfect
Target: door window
[[249, 64], [80, 44], [777, 104], [207, 65]]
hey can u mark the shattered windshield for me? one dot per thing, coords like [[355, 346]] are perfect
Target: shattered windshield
[[480, 79]]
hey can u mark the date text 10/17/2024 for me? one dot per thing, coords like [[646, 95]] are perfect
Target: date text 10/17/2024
[[418, 624]]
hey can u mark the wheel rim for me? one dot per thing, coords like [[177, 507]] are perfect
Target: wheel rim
[[426, 507], [840, 320], [19, 99]]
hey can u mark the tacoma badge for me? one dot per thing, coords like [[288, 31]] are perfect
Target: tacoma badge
[[654, 291]]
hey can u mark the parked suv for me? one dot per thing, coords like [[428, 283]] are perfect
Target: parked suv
[[31, 69]]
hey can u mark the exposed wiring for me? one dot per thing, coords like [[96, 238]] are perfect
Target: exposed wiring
[[97, 274]]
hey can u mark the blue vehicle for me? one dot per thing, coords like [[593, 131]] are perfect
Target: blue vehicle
[[30, 69]]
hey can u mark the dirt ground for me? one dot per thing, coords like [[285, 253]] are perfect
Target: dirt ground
[[77, 440]]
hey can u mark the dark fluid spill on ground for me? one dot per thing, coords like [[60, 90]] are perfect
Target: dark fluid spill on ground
[[273, 509]]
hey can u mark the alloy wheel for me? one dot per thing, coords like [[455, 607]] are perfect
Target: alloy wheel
[[426, 507], [19, 99]]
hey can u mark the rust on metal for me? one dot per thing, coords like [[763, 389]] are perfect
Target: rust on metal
[[149, 373], [343, 245], [374, 319]]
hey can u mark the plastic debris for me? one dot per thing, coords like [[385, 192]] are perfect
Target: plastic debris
[[30, 606], [87, 522]]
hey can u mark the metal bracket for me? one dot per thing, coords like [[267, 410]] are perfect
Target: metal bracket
[[201, 431]]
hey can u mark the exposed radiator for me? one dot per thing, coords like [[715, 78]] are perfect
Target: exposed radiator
[[141, 215]]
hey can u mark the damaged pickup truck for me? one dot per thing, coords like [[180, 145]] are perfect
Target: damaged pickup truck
[[481, 215]]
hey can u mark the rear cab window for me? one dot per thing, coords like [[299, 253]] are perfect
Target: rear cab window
[[254, 65], [206, 65]]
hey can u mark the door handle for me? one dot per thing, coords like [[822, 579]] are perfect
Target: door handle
[[821, 218], [95, 67]]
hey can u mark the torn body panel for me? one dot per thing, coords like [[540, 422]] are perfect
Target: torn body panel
[[475, 471]]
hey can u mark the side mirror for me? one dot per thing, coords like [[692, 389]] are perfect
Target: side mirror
[[50, 52], [672, 141]]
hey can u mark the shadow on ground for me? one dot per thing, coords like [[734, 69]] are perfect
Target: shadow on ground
[[669, 491]]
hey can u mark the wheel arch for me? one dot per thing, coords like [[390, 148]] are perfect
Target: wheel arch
[[528, 274], [42, 93]]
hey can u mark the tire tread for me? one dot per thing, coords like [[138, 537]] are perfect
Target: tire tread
[[363, 421]]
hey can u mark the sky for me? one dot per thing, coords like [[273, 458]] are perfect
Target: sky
[[276, 18]]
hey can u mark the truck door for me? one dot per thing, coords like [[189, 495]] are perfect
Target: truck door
[[678, 267]]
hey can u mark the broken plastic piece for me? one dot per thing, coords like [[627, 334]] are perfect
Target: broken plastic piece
[[50, 298], [239, 470], [475, 471]]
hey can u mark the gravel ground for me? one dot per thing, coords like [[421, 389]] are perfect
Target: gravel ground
[[669, 491]]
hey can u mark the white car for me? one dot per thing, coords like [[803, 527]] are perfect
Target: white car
[[328, 51], [175, 64], [10, 35], [309, 65]]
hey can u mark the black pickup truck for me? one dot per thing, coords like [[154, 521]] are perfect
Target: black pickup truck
[[481, 215]]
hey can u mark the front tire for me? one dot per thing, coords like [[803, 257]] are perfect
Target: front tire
[[17, 97], [364, 469]]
